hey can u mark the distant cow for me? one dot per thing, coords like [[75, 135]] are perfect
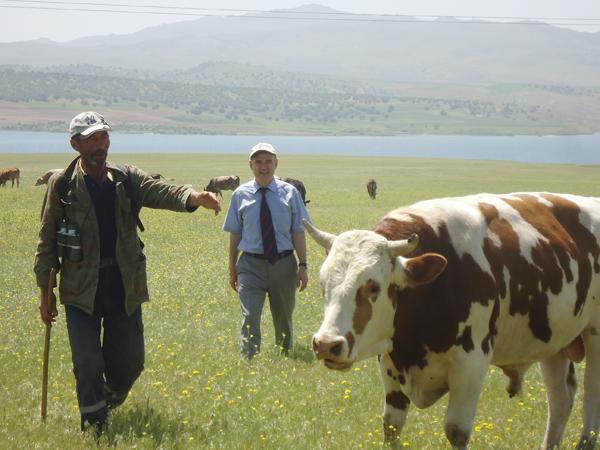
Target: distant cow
[[12, 175], [224, 183], [300, 186], [444, 288], [44, 178], [372, 188]]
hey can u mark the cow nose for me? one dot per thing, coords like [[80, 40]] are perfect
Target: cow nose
[[326, 348]]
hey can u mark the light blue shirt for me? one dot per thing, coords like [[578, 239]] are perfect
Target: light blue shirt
[[287, 211]]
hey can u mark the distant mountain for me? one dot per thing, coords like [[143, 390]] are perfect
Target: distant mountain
[[377, 49]]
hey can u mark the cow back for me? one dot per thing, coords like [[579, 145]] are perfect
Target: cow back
[[523, 257], [299, 185]]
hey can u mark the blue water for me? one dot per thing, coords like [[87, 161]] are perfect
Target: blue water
[[571, 149]]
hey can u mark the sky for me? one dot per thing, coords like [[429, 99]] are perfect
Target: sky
[[19, 21]]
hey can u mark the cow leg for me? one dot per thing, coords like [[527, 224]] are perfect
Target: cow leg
[[395, 407], [559, 377], [591, 390], [465, 381]]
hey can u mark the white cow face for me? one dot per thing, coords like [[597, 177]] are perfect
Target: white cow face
[[359, 305]]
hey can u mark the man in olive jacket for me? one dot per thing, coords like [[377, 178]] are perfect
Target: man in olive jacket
[[89, 220]]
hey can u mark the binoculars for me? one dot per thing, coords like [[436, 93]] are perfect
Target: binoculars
[[69, 243]]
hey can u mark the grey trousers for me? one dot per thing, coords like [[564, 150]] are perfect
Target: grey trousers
[[256, 278]]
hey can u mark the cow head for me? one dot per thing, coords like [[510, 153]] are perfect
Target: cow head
[[359, 279]]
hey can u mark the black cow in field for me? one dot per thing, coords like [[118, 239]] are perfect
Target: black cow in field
[[300, 186], [223, 183], [372, 188]]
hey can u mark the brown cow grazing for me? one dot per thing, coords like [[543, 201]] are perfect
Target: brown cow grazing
[[11, 175], [372, 188], [44, 178], [224, 183], [444, 288], [300, 186]]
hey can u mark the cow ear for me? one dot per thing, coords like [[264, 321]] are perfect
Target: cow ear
[[424, 269]]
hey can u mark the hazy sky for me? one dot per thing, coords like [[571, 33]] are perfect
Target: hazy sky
[[18, 24]]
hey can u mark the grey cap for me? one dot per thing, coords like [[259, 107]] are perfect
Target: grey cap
[[87, 123], [262, 147]]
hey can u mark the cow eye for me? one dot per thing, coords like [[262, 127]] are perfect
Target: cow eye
[[374, 288]]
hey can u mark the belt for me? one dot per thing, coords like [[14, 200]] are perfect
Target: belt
[[107, 262], [283, 254]]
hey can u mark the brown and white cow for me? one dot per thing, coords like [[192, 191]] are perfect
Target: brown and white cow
[[444, 288], [224, 183], [12, 175], [46, 176], [372, 188]]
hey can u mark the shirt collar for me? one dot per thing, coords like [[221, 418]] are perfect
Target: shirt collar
[[272, 186]]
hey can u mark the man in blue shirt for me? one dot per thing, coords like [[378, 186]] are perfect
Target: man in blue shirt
[[264, 220]]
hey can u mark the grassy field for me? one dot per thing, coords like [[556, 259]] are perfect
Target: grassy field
[[195, 391]]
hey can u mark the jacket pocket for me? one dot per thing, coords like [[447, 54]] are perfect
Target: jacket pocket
[[72, 278], [139, 282]]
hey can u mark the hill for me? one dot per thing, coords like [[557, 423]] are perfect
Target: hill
[[376, 48], [255, 100]]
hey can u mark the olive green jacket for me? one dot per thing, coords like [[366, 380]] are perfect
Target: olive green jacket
[[79, 280]]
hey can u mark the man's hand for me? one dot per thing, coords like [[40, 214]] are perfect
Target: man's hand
[[47, 314], [233, 279], [205, 199], [302, 278]]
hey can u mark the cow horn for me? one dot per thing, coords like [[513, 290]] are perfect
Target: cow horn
[[403, 247], [321, 237]]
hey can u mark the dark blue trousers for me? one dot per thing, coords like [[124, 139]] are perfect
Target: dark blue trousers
[[107, 349]]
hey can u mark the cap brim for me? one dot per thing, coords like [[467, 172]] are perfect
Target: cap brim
[[98, 127]]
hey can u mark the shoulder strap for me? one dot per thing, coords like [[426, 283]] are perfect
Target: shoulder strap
[[62, 183], [129, 191], [61, 186]]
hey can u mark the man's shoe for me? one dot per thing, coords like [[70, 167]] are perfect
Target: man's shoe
[[97, 428]]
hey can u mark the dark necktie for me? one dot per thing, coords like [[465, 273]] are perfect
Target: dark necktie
[[266, 226]]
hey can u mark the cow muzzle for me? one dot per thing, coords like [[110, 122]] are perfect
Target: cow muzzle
[[333, 351]]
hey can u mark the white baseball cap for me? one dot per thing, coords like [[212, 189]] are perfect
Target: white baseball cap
[[87, 123], [262, 147]]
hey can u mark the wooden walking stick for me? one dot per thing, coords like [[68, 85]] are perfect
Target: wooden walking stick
[[51, 306]]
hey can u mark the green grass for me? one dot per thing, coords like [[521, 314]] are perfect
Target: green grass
[[195, 391]]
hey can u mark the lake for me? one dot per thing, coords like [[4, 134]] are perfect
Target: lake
[[567, 149]]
